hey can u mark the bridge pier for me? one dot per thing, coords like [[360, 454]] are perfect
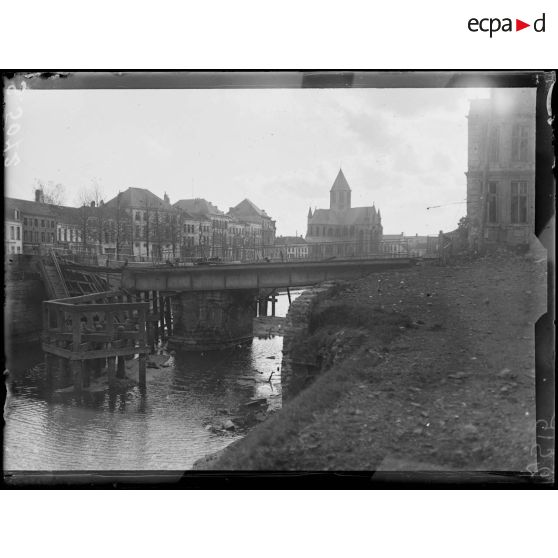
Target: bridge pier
[[212, 320]]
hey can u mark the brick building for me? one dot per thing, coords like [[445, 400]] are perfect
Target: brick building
[[255, 236], [501, 168]]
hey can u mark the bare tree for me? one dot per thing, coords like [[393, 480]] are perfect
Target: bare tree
[[54, 194]]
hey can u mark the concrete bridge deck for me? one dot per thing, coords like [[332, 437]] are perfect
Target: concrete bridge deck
[[223, 277]]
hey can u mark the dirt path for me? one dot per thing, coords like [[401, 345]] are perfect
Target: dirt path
[[453, 391]]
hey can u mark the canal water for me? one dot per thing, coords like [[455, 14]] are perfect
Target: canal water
[[167, 427]]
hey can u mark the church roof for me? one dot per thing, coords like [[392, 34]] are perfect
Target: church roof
[[352, 216], [341, 182]]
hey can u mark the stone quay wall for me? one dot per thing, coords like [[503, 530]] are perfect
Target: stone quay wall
[[296, 327], [24, 293]]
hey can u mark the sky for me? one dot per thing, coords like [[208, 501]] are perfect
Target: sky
[[401, 149]]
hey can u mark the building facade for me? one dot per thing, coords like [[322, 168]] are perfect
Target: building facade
[[136, 224], [38, 222], [343, 230], [255, 230], [501, 168], [13, 231], [290, 248]]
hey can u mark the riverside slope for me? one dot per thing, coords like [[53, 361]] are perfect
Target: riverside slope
[[448, 384]]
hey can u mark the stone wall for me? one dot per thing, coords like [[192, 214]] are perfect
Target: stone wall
[[212, 320], [24, 293], [296, 327]]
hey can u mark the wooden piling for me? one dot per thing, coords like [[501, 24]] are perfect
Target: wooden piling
[[121, 368], [111, 370], [87, 365], [162, 317], [77, 373], [168, 320], [142, 370], [155, 310]]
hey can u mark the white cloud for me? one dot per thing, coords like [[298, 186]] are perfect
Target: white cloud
[[402, 149]]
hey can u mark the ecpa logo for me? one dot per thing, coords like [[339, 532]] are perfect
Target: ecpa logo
[[494, 24]]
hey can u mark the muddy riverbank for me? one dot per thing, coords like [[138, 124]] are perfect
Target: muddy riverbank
[[431, 368]]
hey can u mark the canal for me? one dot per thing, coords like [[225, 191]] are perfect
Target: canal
[[167, 427]]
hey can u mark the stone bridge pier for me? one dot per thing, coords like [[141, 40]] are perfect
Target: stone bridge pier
[[210, 320]]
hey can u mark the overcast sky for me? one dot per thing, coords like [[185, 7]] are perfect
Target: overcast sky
[[404, 149]]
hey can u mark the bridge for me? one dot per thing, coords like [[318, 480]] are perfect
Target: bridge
[[213, 306], [224, 277]]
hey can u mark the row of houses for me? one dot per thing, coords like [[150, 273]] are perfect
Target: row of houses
[[137, 224]]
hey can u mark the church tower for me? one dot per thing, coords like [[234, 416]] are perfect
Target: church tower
[[340, 193]]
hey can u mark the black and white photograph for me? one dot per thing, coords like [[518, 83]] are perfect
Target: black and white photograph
[[278, 272]]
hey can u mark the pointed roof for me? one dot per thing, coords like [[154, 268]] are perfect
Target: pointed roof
[[309, 213], [248, 208], [199, 206], [341, 182], [138, 198]]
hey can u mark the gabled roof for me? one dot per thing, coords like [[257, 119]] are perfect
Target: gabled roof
[[139, 198], [341, 182], [284, 240], [73, 215], [199, 207], [29, 207], [248, 208], [352, 216]]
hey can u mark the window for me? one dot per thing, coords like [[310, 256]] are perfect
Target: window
[[11, 232], [52, 237], [42, 236], [25, 221], [18, 233], [519, 202], [520, 143], [138, 230], [12, 249], [19, 249], [24, 236], [494, 145], [36, 222], [137, 215], [52, 224], [42, 222], [65, 235], [492, 202]]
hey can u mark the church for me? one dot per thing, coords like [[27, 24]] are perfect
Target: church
[[343, 230]]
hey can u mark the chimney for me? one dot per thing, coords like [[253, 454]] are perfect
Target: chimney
[[166, 198], [93, 203], [101, 203], [39, 196]]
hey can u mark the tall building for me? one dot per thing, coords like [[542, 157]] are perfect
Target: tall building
[[501, 168], [343, 230], [258, 229]]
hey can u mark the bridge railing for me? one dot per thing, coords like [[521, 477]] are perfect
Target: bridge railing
[[94, 326]]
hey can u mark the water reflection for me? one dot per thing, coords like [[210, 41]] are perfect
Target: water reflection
[[163, 427]]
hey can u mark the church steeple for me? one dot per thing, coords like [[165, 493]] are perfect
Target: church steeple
[[309, 213], [340, 193]]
